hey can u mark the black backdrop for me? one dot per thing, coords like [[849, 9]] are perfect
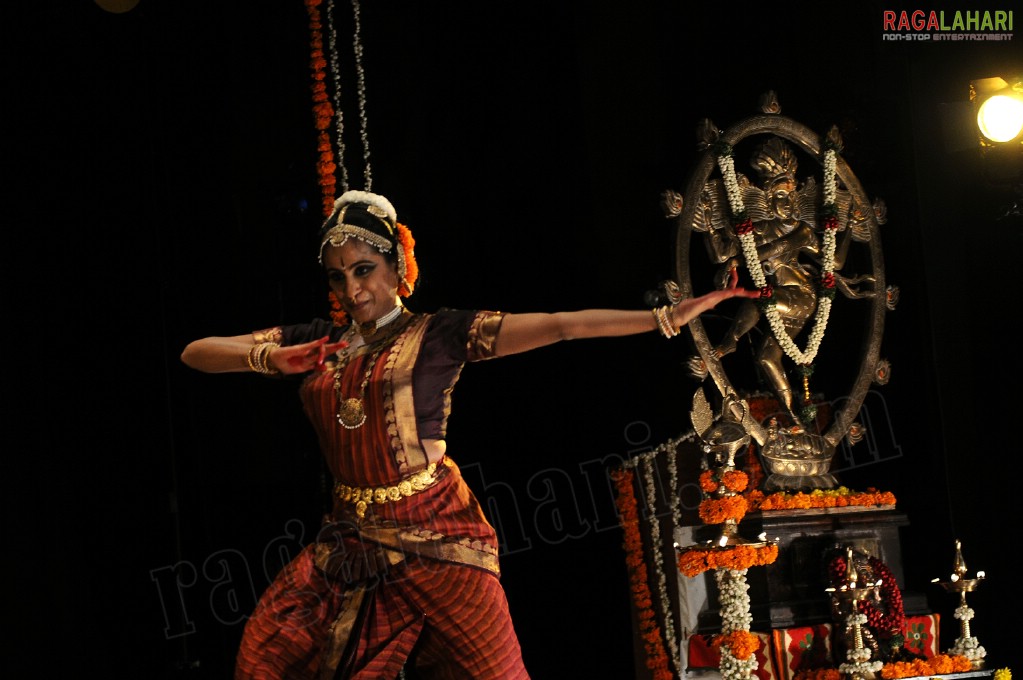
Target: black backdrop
[[161, 186]]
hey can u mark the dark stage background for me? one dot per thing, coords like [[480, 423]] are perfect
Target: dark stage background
[[161, 186]]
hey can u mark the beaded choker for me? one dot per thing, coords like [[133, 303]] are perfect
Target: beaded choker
[[370, 328]]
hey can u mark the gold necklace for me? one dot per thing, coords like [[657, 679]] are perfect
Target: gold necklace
[[351, 412]]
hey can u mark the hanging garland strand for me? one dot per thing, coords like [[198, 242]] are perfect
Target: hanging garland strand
[[322, 109], [648, 460], [335, 71], [648, 477], [335, 65], [628, 514], [361, 75]]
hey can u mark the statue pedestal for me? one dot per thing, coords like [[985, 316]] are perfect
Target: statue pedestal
[[791, 591]]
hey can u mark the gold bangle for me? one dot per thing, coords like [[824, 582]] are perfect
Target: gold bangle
[[250, 358], [658, 321], [664, 323], [258, 358], [268, 368], [675, 330]]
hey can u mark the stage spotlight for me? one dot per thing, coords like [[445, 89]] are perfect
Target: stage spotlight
[[998, 104]]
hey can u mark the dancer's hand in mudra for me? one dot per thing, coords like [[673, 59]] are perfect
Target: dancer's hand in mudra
[[690, 308], [309, 356]]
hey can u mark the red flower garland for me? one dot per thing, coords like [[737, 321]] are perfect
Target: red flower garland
[[886, 623]]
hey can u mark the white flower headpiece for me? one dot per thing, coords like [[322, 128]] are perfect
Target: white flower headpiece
[[367, 198]]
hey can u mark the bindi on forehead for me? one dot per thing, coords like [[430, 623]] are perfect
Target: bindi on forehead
[[350, 254], [354, 263]]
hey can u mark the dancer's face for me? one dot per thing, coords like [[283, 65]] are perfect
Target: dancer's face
[[362, 278]]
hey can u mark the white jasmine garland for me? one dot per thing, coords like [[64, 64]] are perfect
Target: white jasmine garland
[[732, 585], [670, 448], [969, 647], [733, 595], [829, 177], [736, 669], [676, 503], [858, 658], [749, 251], [861, 667], [727, 165], [963, 612], [655, 539], [853, 619], [647, 459]]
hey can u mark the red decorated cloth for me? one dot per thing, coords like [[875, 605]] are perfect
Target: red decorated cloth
[[703, 655], [802, 648], [921, 633]]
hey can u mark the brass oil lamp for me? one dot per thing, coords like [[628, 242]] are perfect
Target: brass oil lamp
[[965, 645]]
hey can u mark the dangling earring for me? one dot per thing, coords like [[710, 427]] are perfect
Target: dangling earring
[[337, 313]]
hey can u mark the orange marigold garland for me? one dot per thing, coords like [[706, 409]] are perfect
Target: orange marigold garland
[[733, 480], [729, 558], [625, 500], [841, 497], [323, 111], [717, 510], [939, 664], [696, 560], [742, 643]]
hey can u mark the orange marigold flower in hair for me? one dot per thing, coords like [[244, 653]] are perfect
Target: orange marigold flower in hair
[[408, 244]]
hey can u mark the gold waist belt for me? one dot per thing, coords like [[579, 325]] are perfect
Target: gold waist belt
[[363, 497]]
